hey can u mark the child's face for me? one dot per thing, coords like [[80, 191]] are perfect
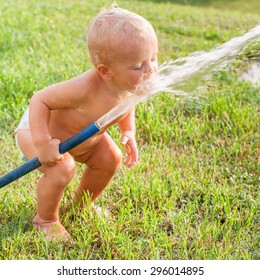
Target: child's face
[[134, 61]]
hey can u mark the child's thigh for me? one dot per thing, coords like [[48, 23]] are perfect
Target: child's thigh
[[106, 153], [25, 143]]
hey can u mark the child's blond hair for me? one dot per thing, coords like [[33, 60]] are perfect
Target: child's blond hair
[[109, 27]]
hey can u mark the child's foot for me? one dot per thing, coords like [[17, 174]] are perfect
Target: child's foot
[[54, 231], [100, 212]]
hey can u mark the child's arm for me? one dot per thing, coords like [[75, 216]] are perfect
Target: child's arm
[[62, 95], [47, 148], [128, 129]]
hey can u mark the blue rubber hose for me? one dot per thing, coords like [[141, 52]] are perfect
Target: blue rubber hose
[[64, 147]]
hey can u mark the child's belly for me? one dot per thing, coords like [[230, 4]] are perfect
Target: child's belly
[[86, 146], [63, 133]]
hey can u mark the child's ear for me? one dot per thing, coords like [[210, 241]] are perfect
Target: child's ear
[[104, 71]]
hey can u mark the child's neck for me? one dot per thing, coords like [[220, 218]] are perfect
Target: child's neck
[[119, 94], [114, 91]]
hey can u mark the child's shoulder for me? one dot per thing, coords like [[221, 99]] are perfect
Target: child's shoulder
[[82, 78], [86, 80]]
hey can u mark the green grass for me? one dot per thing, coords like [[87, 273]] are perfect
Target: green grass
[[195, 192]]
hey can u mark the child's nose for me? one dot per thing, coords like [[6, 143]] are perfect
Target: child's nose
[[149, 70]]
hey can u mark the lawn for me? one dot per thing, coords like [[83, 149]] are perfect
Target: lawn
[[195, 191]]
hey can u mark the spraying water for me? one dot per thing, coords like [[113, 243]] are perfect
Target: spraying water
[[182, 76]]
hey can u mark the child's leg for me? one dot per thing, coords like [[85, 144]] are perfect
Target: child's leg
[[50, 188], [102, 163]]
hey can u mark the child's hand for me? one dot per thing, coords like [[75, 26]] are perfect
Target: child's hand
[[128, 141], [48, 153]]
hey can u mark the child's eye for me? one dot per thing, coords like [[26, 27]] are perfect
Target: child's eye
[[138, 67], [154, 58]]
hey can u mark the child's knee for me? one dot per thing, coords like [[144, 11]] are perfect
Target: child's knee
[[63, 171], [117, 159], [112, 161], [68, 167]]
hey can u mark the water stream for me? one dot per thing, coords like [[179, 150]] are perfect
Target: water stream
[[184, 75]]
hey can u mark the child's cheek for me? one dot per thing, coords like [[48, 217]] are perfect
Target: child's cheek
[[137, 78]]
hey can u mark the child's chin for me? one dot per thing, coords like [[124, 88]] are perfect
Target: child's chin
[[142, 89]]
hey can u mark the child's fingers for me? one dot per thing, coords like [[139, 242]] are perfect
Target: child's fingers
[[51, 163], [132, 155], [124, 140], [60, 158]]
